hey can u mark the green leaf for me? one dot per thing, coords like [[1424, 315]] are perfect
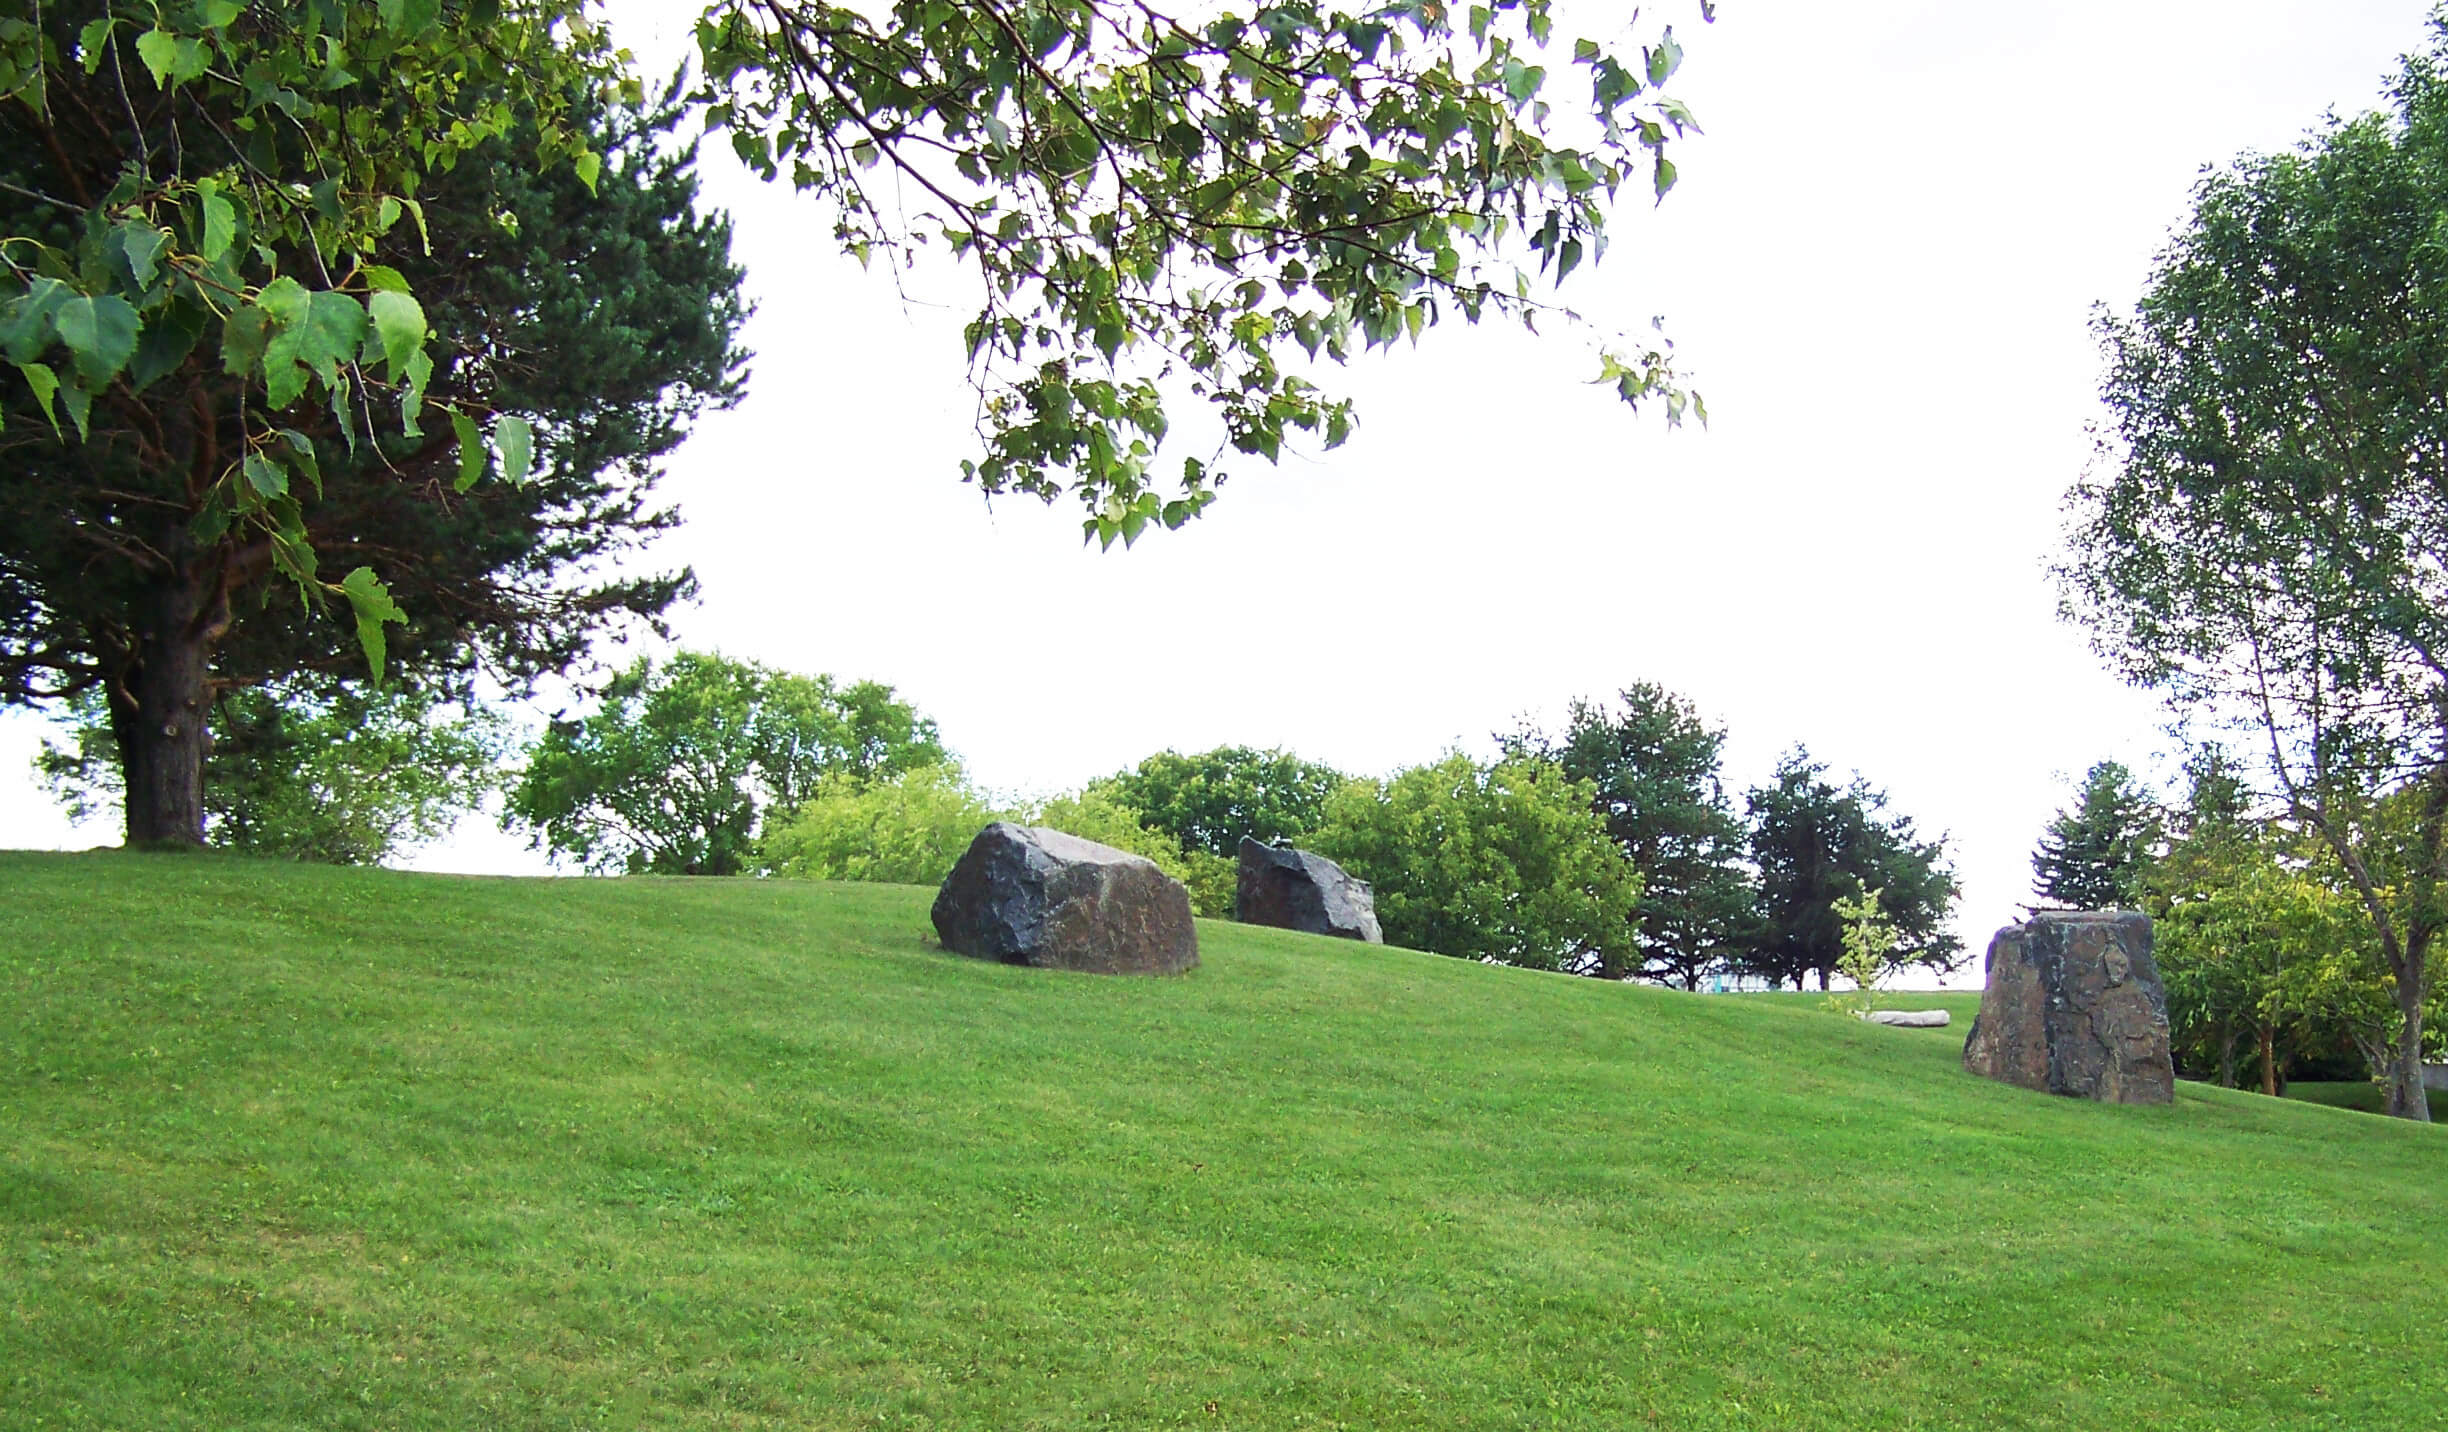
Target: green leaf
[[158, 48], [284, 380], [167, 341], [412, 392], [242, 341], [209, 524], [27, 323], [373, 605], [516, 439], [589, 165], [141, 244], [217, 14], [79, 403], [472, 455], [416, 211], [220, 227], [264, 475], [45, 383], [335, 327], [400, 323], [285, 301], [1665, 59], [382, 278], [101, 332], [302, 457], [92, 39]]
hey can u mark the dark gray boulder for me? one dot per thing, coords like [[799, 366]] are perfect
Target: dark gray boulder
[[1297, 890], [1027, 895], [2074, 1006]]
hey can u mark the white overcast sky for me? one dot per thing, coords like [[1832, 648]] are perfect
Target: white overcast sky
[[1878, 266]]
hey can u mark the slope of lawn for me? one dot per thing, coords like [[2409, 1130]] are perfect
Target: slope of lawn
[[2360, 1094], [310, 1148]]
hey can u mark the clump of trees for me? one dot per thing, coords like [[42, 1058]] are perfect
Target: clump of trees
[[1611, 850], [685, 764], [2270, 965]]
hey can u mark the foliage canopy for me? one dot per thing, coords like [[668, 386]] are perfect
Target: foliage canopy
[[1159, 192], [1652, 764], [2263, 543], [1814, 844], [684, 763], [1505, 862], [2094, 857]]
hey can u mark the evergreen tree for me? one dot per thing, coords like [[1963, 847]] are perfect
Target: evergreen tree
[[1815, 844], [603, 318], [1653, 765], [2095, 856]]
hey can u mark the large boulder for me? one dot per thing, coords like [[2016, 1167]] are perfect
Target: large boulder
[[1026, 895], [1297, 890], [2074, 1006]]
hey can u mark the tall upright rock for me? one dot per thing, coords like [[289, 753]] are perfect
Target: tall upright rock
[[1028, 895], [2074, 1006], [1299, 890]]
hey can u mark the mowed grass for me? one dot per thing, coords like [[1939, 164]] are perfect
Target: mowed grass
[[2361, 1095], [294, 1147]]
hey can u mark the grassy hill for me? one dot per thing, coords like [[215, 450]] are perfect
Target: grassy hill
[[298, 1147]]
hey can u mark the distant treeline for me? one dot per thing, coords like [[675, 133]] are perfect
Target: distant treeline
[[1610, 847]]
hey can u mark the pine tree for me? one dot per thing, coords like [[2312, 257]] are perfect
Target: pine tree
[[2094, 856]]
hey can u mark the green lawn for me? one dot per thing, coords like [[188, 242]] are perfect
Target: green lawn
[[311, 1148], [2361, 1095]]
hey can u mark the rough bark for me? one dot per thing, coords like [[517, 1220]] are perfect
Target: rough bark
[[159, 702], [2406, 1096]]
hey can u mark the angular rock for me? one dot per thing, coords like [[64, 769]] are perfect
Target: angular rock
[[1911, 1018], [1027, 895], [1297, 890], [2074, 1006]]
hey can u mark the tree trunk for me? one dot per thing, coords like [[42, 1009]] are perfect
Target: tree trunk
[[1823, 979], [2269, 1060], [2406, 1097], [158, 706], [2227, 1059]]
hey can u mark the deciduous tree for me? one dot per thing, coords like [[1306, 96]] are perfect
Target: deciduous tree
[[685, 762], [1504, 862], [347, 774], [909, 829], [1209, 801], [2262, 544]]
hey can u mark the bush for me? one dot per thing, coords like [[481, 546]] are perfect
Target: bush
[[1506, 862], [908, 830]]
